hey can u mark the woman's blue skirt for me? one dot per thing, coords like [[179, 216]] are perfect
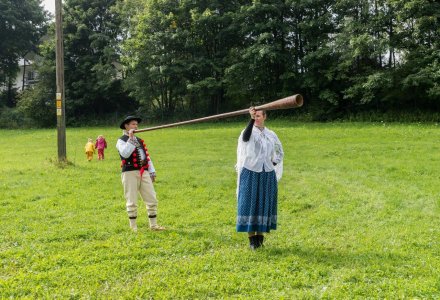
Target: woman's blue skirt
[[257, 201]]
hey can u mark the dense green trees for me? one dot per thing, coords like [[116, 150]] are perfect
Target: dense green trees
[[182, 58], [37, 103], [343, 55], [93, 73], [177, 54], [22, 23]]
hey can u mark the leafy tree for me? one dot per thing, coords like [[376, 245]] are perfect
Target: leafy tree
[[214, 32], [36, 103], [419, 75], [180, 48], [93, 81], [314, 70], [22, 23], [260, 62], [155, 57], [93, 74]]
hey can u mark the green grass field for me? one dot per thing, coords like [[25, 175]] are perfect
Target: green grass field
[[358, 216]]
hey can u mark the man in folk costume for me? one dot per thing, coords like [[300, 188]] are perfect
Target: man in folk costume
[[259, 167], [138, 173]]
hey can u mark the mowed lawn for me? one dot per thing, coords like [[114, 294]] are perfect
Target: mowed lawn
[[358, 217]]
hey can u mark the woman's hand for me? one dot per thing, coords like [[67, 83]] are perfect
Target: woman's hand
[[252, 112]]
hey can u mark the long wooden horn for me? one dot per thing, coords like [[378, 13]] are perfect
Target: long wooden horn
[[285, 103]]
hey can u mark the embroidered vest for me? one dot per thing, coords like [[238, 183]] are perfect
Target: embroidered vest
[[134, 162]]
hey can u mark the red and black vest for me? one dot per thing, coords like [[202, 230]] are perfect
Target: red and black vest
[[134, 162]]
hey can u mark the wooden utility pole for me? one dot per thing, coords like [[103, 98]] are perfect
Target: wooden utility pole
[[60, 101]]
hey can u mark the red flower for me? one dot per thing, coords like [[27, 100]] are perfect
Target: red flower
[[135, 165], [142, 141], [135, 160], [148, 158], [134, 154], [123, 161]]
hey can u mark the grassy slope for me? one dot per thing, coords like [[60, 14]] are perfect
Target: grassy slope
[[358, 216]]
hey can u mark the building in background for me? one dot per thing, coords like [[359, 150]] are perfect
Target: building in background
[[26, 76]]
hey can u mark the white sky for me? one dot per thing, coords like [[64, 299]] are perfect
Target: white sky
[[49, 5]]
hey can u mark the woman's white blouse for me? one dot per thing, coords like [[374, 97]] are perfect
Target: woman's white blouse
[[262, 150]]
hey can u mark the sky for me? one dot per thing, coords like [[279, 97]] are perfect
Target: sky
[[49, 5]]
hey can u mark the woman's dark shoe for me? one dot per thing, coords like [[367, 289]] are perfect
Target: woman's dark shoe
[[253, 242], [260, 240]]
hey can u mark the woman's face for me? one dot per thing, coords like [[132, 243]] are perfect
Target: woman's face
[[259, 118]]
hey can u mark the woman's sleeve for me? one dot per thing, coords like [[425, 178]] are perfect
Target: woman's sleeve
[[248, 131], [278, 157], [244, 137], [240, 153], [279, 153]]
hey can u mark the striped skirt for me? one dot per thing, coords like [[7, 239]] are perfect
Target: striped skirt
[[257, 201]]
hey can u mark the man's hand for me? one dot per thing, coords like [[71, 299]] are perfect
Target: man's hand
[[131, 134]]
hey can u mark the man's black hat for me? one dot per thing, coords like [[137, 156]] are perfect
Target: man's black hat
[[128, 119]]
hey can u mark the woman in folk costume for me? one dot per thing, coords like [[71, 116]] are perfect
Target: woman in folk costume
[[138, 173], [259, 167]]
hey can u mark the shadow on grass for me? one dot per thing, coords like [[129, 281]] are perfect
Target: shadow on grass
[[336, 258]]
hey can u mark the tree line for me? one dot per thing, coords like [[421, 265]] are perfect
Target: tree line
[[185, 58]]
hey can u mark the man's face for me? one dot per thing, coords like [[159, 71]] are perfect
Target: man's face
[[133, 124]]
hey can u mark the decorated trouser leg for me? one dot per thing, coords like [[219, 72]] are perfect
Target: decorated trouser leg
[[148, 194], [130, 184]]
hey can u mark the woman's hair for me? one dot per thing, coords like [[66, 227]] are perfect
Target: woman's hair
[[262, 111], [248, 131]]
